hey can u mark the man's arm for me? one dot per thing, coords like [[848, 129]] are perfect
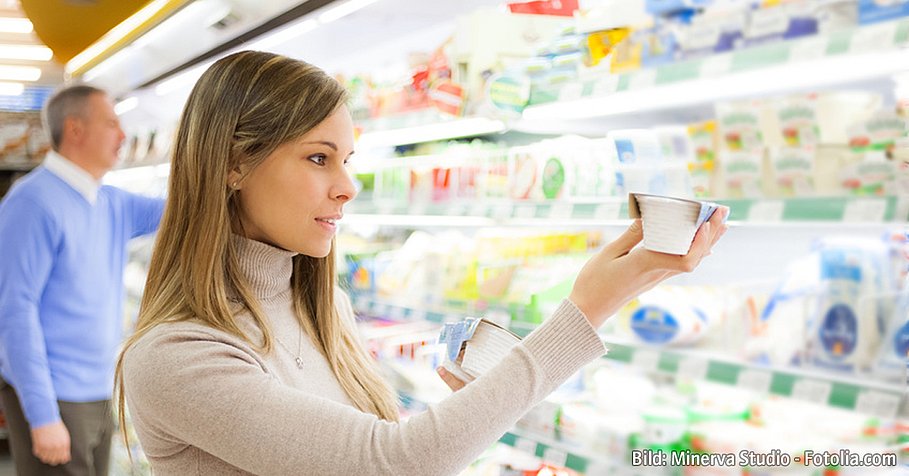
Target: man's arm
[[28, 242], [144, 213]]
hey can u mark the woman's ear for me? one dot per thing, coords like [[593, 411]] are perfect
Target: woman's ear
[[235, 179]]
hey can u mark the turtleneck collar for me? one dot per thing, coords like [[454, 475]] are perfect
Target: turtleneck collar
[[267, 268]]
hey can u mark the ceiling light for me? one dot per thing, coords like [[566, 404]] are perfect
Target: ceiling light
[[120, 33], [188, 15], [11, 89], [126, 105], [26, 52], [343, 10], [20, 73], [15, 25], [284, 35], [108, 64]]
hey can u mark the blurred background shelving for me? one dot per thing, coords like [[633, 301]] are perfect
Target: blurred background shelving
[[497, 142]]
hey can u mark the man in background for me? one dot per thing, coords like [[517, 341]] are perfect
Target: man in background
[[63, 238]]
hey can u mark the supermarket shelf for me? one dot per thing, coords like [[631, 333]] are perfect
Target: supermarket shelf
[[862, 395], [847, 56], [551, 451], [813, 210], [424, 126], [17, 167]]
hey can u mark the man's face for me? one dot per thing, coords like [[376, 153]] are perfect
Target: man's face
[[102, 135]]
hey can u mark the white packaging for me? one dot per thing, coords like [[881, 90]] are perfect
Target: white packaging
[[848, 328], [670, 223]]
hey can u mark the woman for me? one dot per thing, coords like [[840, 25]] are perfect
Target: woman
[[246, 360]]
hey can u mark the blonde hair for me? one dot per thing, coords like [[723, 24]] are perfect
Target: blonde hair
[[242, 108]]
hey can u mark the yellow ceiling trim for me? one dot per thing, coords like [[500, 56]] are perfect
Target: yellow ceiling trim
[[123, 34]]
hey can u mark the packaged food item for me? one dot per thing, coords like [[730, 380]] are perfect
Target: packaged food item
[[704, 144], [793, 170], [670, 223], [849, 326]]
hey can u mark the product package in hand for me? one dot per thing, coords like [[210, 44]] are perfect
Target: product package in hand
[[670, 223], [473, 346]]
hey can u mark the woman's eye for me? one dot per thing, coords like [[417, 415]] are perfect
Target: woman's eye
[[319, 159]]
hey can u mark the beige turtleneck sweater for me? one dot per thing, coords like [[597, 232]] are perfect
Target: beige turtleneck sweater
[[204, 402]]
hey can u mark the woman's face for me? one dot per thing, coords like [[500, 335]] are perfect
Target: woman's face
[[294, 198]]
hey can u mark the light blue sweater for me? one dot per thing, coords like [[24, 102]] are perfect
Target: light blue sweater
[[61, 289]]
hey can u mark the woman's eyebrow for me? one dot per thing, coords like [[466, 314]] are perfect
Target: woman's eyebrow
[[323, 142]]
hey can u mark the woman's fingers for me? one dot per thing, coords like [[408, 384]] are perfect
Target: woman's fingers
[[453, 382], [626, 241]]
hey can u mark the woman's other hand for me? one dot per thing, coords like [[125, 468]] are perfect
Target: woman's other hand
[[620, 272], [453, 382]]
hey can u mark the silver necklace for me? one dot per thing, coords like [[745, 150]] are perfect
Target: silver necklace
[[298, 357]]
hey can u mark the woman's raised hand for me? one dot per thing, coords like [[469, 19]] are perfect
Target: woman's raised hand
[[620, 272]]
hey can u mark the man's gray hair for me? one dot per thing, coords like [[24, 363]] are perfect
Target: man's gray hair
[[67, 102]]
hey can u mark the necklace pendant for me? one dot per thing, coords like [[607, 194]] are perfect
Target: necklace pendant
[[299, 362]]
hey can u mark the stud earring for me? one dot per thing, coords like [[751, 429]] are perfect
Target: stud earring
[[235, 185]]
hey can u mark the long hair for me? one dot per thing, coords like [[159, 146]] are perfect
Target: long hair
[[243, 108]]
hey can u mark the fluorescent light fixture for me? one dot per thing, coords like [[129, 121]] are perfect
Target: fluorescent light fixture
[[182, 80], [284, 35], [343, 10], [26, 52], [115, 35], [15, 25], [772, 80], [109, 63], [453, 129], [19, 73], [11, 89], [189, 13], [126, 105]]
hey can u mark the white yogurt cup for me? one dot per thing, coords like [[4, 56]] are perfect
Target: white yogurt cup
[[670, 223]]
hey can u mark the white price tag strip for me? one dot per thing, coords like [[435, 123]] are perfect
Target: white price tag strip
[[418, 314], [502, 211], [396, 313], [642, 79], [693, 368], [872, 37], [865, 210], [555, 456], [455, 210], [385, 208], [755, 380], [808, 49], [525, 445], [561, 211], [716, 65], [646, 359], [571, 92], [380, 309], [766, 211], [478, 210], [525, 211], [878, 403], [605, 86], [812, 390], [607, 211], [418, 208]]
